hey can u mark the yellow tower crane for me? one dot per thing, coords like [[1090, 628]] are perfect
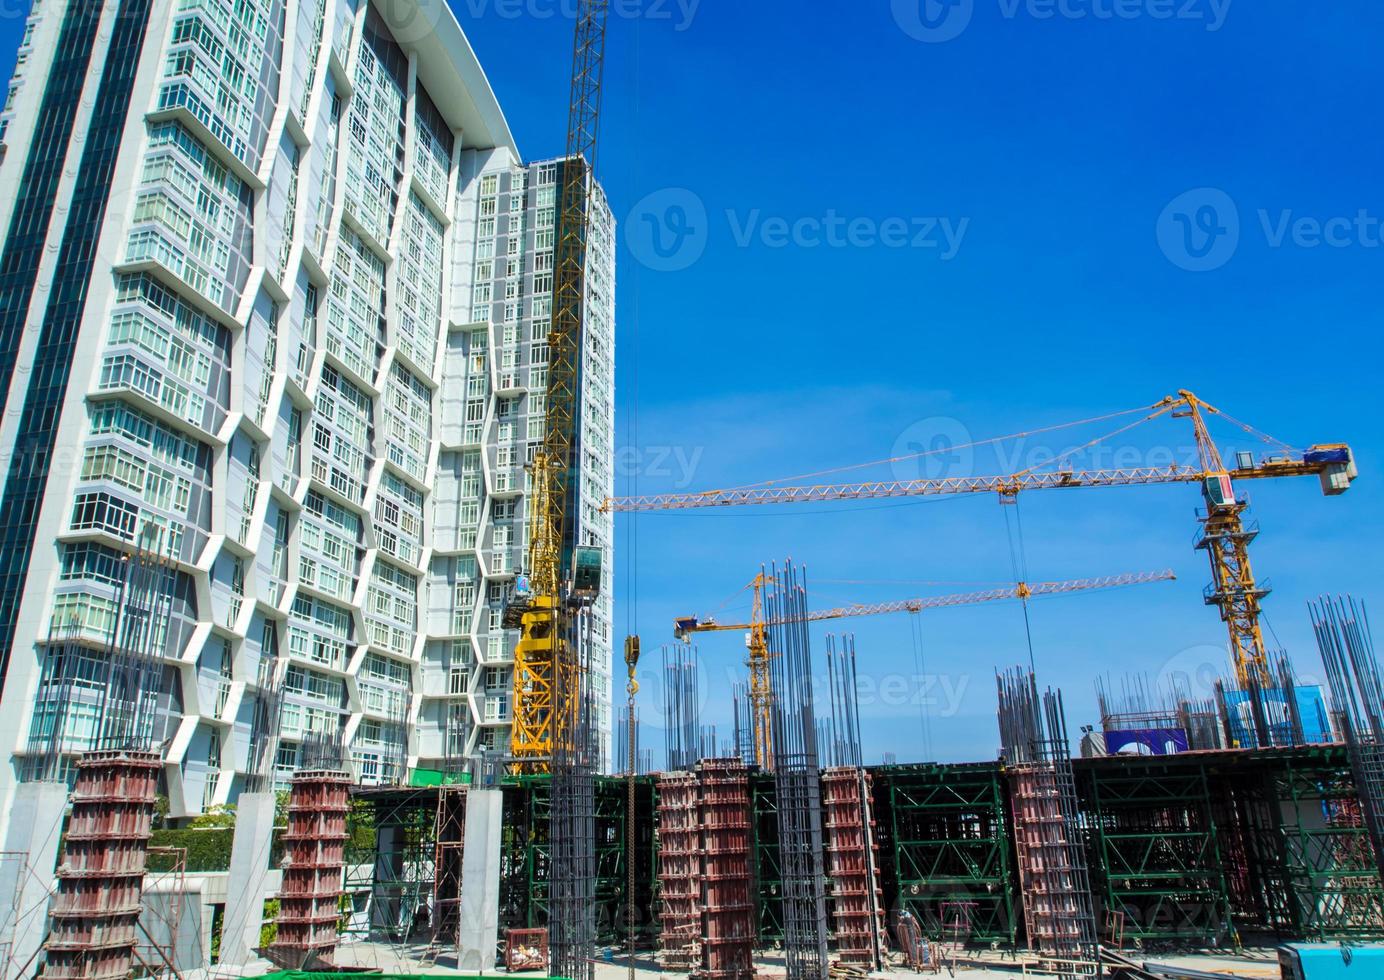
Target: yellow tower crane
[[547, 673], [1225, 538], [757, 629]]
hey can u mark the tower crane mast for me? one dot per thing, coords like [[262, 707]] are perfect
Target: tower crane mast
[[547, 672]]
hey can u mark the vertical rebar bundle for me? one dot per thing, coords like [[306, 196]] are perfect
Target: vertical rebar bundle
[[852, 852], [1053, 876], [796, 773], [101, 877], [313, 868], [1347, 647], [572, 819], [129, 698], [679, 871], [742, 711], [844, 725], [264, 725], [681, 726], [728, 903]]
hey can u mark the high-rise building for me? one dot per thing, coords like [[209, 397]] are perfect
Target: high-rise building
[[274, 294]]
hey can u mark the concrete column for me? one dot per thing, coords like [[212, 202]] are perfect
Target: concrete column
[[248, 878], [480, 881], [27, 869]]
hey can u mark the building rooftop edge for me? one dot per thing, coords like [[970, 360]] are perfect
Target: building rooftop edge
[[449, 69]]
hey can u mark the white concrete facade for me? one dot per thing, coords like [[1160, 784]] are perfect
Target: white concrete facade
[[272, 374]]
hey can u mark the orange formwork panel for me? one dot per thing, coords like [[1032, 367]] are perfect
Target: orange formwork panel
[[101, 874], [852, 863], [728, 926], [313, 869]]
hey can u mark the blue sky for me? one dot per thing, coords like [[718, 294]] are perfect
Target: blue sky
[[852, 229]]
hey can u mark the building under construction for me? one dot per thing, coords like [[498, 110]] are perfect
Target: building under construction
[[308, 657]]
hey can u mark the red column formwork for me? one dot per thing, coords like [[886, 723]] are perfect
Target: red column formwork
[[855, 894], [728, 926], [679, 871], [101, 875], [313, 868]]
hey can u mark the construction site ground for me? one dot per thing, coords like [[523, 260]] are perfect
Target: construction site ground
[[1251, 964]]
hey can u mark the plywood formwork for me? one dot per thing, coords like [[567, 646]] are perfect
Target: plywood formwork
[[95, 913], [680, 866], [313, 869], [852, 862], [728, 926]]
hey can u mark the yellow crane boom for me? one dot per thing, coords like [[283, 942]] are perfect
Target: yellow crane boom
[[1224, 537], [757, 629], [683, 628]]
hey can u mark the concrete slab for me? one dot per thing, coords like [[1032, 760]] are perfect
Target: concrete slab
[[249, 870], [480, 881]]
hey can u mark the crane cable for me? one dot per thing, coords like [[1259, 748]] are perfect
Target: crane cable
[[953, 448], [1018, 560]]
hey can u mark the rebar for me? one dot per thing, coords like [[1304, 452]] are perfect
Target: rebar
[[681, 727], [1343, 634], [851, 848], [128, 708], [1053, 876], [572, 818], [796, 774]]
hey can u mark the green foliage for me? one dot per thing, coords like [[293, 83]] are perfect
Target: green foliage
[[208, 849], [270, 929], [216, 817]]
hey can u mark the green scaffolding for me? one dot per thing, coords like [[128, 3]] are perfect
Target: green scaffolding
[[944, 838], [768, 877], [1330, 867], [524, 861], [1155, 855]]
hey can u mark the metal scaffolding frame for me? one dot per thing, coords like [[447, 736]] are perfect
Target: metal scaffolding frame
[[945, 837], [1156, 852]]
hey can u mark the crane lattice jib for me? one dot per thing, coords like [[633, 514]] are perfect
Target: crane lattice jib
[[1021, 591], [1225, 539], [546, 674]]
